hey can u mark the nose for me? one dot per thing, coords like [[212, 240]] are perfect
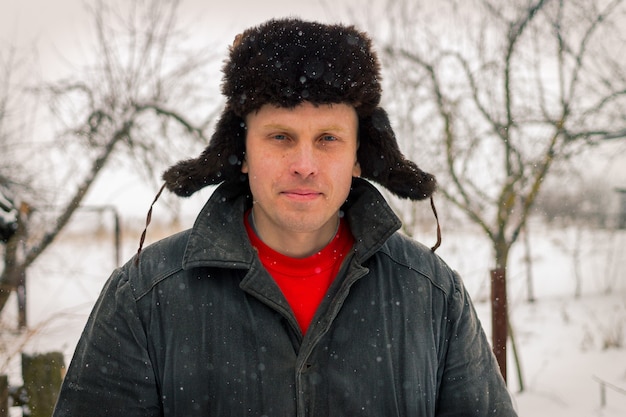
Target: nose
[[303, 160]]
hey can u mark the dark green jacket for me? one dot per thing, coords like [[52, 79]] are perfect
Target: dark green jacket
[[200, 329]]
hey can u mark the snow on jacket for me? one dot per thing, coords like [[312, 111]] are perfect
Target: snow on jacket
[[199, 328]]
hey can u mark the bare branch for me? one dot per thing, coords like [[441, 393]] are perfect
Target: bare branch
[[160, 110], [97, 165]]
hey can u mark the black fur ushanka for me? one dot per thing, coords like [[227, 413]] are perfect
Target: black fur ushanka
[[286, 62]]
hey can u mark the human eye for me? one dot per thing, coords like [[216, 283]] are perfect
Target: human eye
[[328, 138], [279, 137]]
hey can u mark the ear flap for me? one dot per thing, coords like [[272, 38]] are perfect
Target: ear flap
[[381, 160], [379, 157], [220, 161]]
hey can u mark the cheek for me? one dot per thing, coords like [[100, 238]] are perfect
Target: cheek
[[255, 163], [261, 169]]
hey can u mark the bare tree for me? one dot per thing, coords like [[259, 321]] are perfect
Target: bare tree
[[140, 97], [16, 114], [496, 92]]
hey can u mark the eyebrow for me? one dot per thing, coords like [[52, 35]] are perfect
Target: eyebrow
[[330, 128]]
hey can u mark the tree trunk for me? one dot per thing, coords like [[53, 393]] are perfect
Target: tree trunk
[[499, 317], [17, 258], [14, 274]]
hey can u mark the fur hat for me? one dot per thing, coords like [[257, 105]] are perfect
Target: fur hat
[[286, 62]]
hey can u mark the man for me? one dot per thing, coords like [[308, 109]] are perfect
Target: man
[[293, 294]]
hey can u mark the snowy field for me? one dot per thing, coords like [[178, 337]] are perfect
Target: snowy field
[[566, 343]]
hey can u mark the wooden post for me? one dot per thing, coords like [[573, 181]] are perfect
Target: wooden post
[[499, 317], [43, 375], [4, 396], [603, 386]]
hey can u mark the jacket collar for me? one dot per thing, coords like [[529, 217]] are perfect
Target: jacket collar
[[218, 237]]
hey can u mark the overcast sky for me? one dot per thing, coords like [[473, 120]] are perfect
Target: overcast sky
[[59, 17], [59, 30], [57, 27], [63, 19]]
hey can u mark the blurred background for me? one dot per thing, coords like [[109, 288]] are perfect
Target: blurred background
[[518, 108]]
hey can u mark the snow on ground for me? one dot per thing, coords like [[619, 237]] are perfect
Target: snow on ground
[[566, 343]]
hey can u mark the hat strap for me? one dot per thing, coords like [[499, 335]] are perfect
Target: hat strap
[[432, 205], [148, 220]]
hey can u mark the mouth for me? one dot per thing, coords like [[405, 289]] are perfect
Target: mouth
[[301, 194]]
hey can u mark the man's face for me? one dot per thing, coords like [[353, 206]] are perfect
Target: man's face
[[300, 163]]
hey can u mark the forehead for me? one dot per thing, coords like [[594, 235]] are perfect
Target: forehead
[[339, 113]]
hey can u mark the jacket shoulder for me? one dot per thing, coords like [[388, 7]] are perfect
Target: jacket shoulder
[[415, 256], [156, 262]]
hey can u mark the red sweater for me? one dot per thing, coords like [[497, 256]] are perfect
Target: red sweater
[[304, 281]]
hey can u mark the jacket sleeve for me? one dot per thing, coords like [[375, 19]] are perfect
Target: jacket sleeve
[[111, 373], [471, 383]]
